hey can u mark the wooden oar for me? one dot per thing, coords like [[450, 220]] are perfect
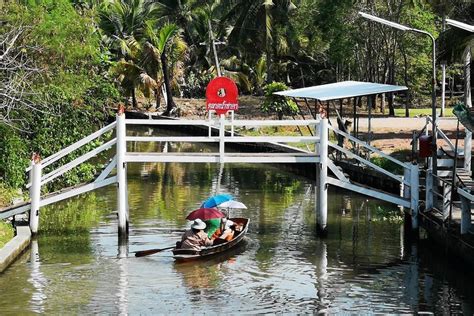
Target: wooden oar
[[150, 251]]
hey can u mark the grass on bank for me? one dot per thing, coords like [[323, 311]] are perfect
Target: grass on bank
[[6, 233], [448, 112]]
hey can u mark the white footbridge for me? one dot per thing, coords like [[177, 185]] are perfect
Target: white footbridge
[[220, 131]]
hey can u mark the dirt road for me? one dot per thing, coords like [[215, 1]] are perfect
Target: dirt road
[[391, 134]]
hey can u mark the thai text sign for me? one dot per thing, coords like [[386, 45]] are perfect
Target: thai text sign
[[221, 95]]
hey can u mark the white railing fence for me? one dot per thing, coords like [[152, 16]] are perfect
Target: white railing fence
[[221, 132], [38, 180]]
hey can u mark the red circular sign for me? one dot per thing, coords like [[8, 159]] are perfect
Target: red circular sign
[[221, 95]]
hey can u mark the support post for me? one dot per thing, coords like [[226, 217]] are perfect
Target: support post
[[414, 194], [122, 191], [35, 192], [465, 215], [447, 191], [221, 138], [429, 190], [322, 211], [467, 150]]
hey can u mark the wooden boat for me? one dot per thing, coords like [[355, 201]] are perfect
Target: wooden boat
[[190, 254]]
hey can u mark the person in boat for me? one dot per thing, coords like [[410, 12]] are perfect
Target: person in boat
[[195, 238], [225, 232], [212, 225]]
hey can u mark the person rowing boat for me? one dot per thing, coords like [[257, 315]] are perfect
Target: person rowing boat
[[195, 238]]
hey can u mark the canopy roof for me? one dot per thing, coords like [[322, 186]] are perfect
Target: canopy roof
[[341, 90]]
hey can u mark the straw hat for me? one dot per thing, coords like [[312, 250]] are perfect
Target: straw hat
[[198, 224]]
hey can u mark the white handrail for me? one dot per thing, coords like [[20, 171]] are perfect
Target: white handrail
[[375, 150], [368, 163], [272, 123], [227, 139], [61, 170], [169, 122], [226, 122], [466, 194], [60, 154], [440, 132], [190, 139], [443, 135]]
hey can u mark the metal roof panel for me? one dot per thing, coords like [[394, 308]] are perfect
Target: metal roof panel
[[341, 90]]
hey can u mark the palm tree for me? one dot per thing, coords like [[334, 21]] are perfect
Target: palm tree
[[123, 23], [167, 41], [159, 45], [254, 25]]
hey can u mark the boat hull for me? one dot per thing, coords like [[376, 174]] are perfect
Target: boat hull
[[189, 254]]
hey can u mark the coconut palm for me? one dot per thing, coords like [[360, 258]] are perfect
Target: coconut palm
[[164, 43], [123, 23], [254, 25]]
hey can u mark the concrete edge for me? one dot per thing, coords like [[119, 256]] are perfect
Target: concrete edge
[[14, 247]]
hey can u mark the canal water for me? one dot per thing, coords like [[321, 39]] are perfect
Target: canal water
[[364, 265]]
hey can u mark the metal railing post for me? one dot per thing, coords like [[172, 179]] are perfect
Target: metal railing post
[[467, 150], [447, 191], [221, 137], [322, 211], [122, 191], [414, 194], [429, 190], [35, 192], [465, 215]]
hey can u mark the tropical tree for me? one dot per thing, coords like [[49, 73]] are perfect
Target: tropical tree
[[255, 25], [163, 45], [124, 23], [167, 41]]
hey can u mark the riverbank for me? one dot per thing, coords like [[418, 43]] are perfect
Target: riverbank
[[7, 197]]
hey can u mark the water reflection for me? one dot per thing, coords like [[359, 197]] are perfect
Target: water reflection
[[37, 279], [123, 283]]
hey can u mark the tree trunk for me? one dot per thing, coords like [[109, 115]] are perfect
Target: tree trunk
[[391, 109], [268, 43], [134, 99], [157, 97], [405, 80], [171, 105]]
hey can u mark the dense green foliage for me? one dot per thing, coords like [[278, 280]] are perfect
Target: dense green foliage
[[71, 89], [278, 104]]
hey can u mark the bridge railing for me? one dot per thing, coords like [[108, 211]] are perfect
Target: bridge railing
[[466, 216], [409, 182], [223, 135], [38, 179]]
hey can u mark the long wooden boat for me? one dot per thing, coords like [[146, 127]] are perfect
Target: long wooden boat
[[190, 254]]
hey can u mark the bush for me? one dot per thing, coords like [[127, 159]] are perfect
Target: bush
[[14, 157], [387, 164], [195, 85], [278, 104]]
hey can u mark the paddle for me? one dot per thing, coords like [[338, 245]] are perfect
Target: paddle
[[150, 251]]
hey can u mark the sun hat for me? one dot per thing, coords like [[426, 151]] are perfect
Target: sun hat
[[198, 224]]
